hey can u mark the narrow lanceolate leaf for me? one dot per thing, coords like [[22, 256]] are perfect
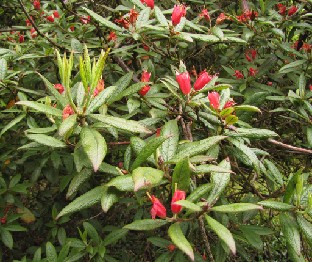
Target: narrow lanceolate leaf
[[147, 150], [109, 198], [247, 108], [253, 133], [146, 224], [302, 85], [41, 108], [7, 238], [3, 68], [177, 237], [274, 172], [290, 232], [197, 147], [77, 181], [122, 183], [51, 252], [276, 205], [100, 99], [122, 124], [94, 145], [67, 124], [146, 177], [84, 201], [189, 205], [102, 20], [222, 232], [291, 65], [59, 98], [181, 175], [115, 236], [219, 182], [199, 192], [305, 227], [121, 85], [203, 169], [237, 207], [169, 147], [143, 17], [160, 16], [46, 140], [12, 123], [137, 144]]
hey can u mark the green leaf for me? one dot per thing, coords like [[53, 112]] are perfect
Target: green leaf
[[217, 31], [219, 182], [46, 140], [59, 98], [147, 150], [12, 123], [132, 89], [122, 183], [276, 205], [37, 255], [252, 133], [274, 172], [3, 68], [181, 175], [121, 85], [199, 192], [114, 236], [189, 205], [291, 66], [195, 148], [84, 201], [146, 177], [77, 181], [100, 99], [203, 169], [67, 124], [247, 108], [205, 38], [160, 16], [237, 207], [222, 232], [137, 144], [94, 145], [109, 198], [146, 224], [169, 147], [51, 252], [290, 232], [41, 130], [305, 227], [91, 231], [7, 238], [302, 85], [143, 17], [41, 108], [122, 124], [102, 20], [253, 238], [267, 65], [177, 237]]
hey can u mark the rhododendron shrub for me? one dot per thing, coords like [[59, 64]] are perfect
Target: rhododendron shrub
[[155, 130]]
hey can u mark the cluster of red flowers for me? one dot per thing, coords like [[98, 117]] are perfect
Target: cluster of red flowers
[[53, 16], [145, 78], [251, 54], [248, 15], [282, 10], [85, 19], [238, 74], [214, 100], [305, 46], [159, 210]]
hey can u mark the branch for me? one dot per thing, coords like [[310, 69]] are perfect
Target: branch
[[205, 238], [36, 28], [12, 29], [293, 148]]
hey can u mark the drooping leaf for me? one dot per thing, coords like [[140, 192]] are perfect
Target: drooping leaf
[[122, 183], [12, 123], [115, 236], [177, 237], [305, 227], [146, 177], [100, 99], [94, 146], [181, 175], [3, 68], [109, 198], [199, 192], [276, 205], [46, 140], [77, 181], [41, 108], [6, 238], [169, 147], [146, 224], [222, 232], [137, 144]]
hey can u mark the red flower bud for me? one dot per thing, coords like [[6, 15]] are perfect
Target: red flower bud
[[85, 19], [184, 82], [149, 3], [133, 15], [310, 87], [50, 18], [145, 76], [72, 28], [269, 83], [56, 14], [171, 247], [178, 195], [229, 103], [293, 9], [125, 23], [33, 32], [21, 39], [252, 71], [59, 88], [157, 209], [144, 90], [112, 36], [3, 220], [251, 54], [67, 111], [221, 18], [203, 79], [214, 99], [178, 12], [238, 74], [36, 4], [281, 9], [204, 13]]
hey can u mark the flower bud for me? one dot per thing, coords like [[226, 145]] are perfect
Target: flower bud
[[203, 79], [178, 12], [178, 195], [214, 99], [157, 209], [184, 82]]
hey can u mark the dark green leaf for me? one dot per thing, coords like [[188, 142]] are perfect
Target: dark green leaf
[[181, 175], [146, 224]]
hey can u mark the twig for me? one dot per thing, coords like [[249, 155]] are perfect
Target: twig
[[205, 238], [118, 143], [12, 29], [124, 67], [36, 28], [293, 148]]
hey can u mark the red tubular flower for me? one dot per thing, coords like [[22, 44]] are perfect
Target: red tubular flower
[[293, 9], [269, 83], [145, 76], [252, 71], [67, 111], [125, 23], [36, 4], [157, 209], [85, 19], [251, 54], [59, 87], [221, 18], [144, 90], [310, 87], [112, 36], [306, 47], [214, 99], [56, 14], [149, 3], [204, 13], [281, 9], [171, 247], [178, 195], [50, 18], [238, 74], [33, 32], [133, 15], [72, 28], [178, 12], [203, 79], [184, 82], [229, 103], [21, 39]]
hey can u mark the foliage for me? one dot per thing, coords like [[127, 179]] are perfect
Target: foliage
[[110, 112]]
